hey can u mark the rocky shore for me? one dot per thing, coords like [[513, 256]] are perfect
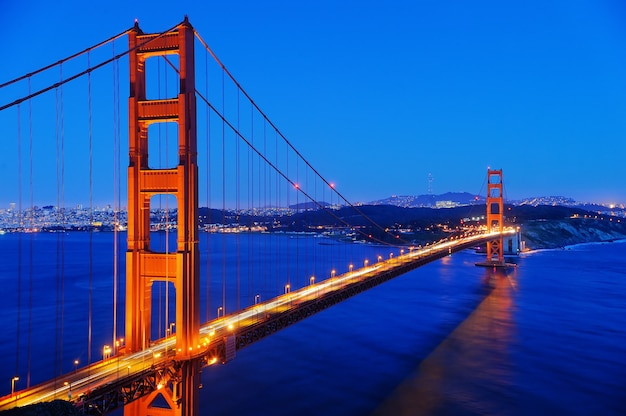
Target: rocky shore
[[542, 234]]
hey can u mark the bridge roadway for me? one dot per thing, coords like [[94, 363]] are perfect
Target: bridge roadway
[[112, 382]]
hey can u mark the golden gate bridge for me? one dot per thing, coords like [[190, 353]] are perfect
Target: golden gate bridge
[[195, 137]]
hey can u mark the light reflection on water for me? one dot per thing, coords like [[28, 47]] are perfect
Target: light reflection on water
[[548, 338], [475, 351]]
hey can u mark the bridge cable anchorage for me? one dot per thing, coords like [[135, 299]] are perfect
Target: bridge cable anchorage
[[85, 72], [225, 70]]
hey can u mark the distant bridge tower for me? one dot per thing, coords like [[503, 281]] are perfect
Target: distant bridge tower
[[495, 214], [143, 266]]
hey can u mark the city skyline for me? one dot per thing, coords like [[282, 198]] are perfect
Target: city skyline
[[377, 98]]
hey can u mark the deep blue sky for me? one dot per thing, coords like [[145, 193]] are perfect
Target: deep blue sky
[[377, 95]]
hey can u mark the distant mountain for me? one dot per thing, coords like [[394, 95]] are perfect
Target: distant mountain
[[562, 201], [446, 200]]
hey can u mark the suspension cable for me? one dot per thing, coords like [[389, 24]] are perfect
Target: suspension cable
[[281, 173], [87, 71], [283, 137], [60, 62]]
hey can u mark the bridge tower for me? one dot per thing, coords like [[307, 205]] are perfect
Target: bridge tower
[[143, 266], [495, 214]]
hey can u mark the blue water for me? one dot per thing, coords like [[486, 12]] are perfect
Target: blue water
[[448, 338]]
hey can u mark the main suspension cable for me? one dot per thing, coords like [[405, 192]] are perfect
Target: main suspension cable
[[285, 139], [87, 71], [69, 58]]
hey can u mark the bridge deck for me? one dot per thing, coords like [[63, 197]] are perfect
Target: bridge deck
[[112, 382]]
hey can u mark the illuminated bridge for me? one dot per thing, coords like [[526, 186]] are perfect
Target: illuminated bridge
[[195, 138]]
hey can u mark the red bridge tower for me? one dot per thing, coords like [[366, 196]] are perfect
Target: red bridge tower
[[143, 266]]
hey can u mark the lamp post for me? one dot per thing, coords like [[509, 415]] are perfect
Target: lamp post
[[69, 392], [170, 329], [380, 258], [287, 288], [350, 268], [365, 263], [257, 297], [312, 280], [106, 352], [75, 365], [13, 380], [220, 309]]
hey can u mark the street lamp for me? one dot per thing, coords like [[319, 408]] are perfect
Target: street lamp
[[380, 258], [365, 263], [220, 309], [351, 267], [402, 252], [106, 352], [312, 280], [13, 380], [170, 329], [287, 287], [257, 297], [332, 273], [390, 255], [75, 365], [118, 343], [69, 392]]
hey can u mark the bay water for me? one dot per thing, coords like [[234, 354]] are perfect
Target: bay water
[[546, 337]]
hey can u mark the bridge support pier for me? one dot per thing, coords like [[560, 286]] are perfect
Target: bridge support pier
[[175, 397]]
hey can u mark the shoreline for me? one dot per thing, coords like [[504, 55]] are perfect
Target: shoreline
[[575, 245]]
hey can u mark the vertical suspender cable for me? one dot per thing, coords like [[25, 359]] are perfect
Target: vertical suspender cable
[[251, 210], [223, 205], [21, 231], [250, 203], [32, 226], [208, 185], [62, 195], [162, 328], [115, 201], [265, 211], [277, 260], [167, 220], [58, 245], [296, 222], [237, 207], [90, 324]]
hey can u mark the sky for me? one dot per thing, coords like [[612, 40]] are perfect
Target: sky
[[378, 95]]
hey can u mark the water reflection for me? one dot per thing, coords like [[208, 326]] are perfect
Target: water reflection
[[470, 364]]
